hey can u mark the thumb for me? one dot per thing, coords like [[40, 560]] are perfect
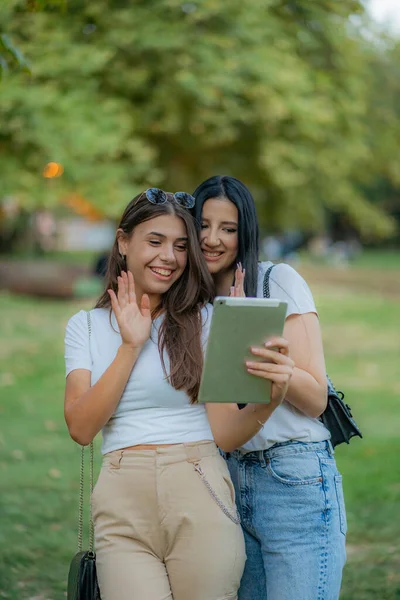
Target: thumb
[[145, 306]]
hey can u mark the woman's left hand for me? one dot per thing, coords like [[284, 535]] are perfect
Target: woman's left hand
[[275, 365]]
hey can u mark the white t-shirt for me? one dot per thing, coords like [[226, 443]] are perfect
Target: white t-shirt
[[150, 411], [287, 422]]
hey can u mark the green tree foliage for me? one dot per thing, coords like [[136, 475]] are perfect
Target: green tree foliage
[[168, 92], [381, 183]]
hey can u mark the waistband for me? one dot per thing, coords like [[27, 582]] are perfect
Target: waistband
[[281, 449], [190, 452]]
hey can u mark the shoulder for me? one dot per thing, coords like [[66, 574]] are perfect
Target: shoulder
[[78, 321], [78, 324], [284, 274], [288, 285]]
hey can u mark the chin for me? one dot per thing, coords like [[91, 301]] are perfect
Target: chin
[[214, 267], [159, 287]]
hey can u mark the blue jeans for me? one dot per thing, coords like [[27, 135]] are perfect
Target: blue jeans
[[290, 498]]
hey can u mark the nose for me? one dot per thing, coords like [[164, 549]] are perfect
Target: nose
[[211, 239], [167, 254]]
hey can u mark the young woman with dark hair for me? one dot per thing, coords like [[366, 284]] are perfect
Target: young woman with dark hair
[[164, 509], [288, 489]]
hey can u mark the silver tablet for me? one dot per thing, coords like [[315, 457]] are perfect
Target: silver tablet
[[236, 325]]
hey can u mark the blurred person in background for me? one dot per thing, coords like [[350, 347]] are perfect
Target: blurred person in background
[[166, 524], [288, 489]]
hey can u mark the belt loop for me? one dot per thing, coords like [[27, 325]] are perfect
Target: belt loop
[[115, 460], [193, 454], [261, 458], [330, 448]]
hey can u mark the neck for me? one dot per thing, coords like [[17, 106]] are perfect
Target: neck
[[223, 282]]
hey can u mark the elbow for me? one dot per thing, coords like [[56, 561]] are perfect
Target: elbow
[[80, 438], [80, 435], [225, 445], [319, 408]]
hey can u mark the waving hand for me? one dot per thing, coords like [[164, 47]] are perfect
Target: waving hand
[[134, 321]]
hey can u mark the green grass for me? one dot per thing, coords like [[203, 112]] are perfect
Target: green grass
[[362, 346], [381, 259], [39, 465], [367, 259]]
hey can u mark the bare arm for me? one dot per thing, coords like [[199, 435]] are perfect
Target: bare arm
[[307, 388], [87, 409], [232, 427]]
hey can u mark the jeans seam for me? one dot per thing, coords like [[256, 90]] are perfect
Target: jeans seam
[[341, 507], [322, 583], [323, 566], [245, 508]]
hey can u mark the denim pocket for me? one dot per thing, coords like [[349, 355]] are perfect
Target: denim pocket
[[302, 468], [341, 506]]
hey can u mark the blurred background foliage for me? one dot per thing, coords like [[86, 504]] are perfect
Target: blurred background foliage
[[297, 98]]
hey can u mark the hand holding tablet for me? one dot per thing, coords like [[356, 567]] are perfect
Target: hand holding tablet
[[239, 367]]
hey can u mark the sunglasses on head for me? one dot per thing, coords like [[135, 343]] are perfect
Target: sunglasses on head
[[157, 196]]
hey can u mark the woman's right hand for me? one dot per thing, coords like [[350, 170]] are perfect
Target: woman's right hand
[[237, 290], [134, 322]]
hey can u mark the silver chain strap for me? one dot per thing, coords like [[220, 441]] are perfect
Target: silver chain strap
[[82, 481], [235, 518]]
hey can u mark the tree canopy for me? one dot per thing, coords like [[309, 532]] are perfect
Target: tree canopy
[[289, 96]]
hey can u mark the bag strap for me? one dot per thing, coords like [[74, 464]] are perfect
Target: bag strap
[[82, 481], [266, 292]]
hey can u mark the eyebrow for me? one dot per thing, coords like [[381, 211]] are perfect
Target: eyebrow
[[225, 222], [161, 235]]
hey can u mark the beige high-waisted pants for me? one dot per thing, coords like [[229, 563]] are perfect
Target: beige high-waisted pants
[[165, 525]]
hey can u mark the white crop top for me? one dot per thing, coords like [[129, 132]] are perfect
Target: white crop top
[[150, 411], [287, 422]]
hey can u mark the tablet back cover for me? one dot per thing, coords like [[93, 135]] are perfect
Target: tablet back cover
[[234, 329]]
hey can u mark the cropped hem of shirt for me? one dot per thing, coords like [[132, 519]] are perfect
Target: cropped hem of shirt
[[287, 423], [150, 410]]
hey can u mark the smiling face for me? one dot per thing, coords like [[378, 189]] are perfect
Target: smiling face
[[219, 234], [156, 254]]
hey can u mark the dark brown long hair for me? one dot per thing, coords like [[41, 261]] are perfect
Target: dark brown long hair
[[181, 328]]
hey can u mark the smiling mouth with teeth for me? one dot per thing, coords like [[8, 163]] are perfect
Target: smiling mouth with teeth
[[162, 272]]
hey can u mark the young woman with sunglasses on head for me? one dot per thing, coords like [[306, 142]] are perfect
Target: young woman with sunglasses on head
[[288, 490], [166, 524]]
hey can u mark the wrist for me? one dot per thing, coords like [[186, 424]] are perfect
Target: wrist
[[132, 349], [263, 411]]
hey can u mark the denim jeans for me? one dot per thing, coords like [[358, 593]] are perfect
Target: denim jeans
[[290, 499]]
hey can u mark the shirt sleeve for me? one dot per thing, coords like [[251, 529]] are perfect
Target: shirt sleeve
[[288, 285], [77, 350]]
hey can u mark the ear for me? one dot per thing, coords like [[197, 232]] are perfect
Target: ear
[[122, 242]]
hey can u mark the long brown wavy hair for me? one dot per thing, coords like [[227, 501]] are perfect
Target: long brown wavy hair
[[181, 327]]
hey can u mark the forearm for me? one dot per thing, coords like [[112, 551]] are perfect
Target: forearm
[[88, 413], [306, 393], [232, 427]]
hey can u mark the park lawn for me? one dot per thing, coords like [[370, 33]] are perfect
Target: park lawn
[[39, 464]]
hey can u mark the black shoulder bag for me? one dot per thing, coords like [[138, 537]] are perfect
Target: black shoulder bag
[[337, 416], [82, 576]]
